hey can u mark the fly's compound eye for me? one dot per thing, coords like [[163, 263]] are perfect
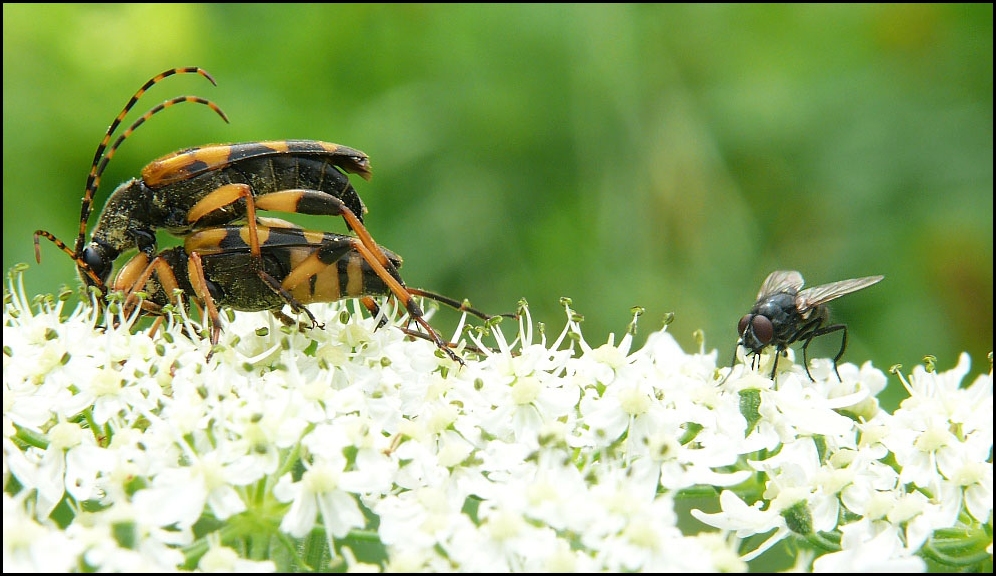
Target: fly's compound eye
[[762, 329], [742, 325]]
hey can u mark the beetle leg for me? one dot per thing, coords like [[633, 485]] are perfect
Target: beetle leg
[[288, 321], [295, 305], [406, 300], [424, 336], [198, 281], [156, 324], [452, 303], [135, 275], [374, 310], [324, 204], [225, 196]]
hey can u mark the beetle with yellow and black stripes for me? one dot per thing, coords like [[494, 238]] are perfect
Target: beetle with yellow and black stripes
[[210, 186], [216, 267]]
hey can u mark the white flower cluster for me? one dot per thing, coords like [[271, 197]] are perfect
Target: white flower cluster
[[360, 448]]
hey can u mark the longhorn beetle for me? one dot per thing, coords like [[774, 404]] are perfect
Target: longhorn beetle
[[209, 186], [298, 267], [205, 187], [784, 313]]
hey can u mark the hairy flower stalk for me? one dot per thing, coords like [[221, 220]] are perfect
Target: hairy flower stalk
[[360, 448]]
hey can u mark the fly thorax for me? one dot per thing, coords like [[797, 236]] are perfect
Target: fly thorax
[[781, 311]]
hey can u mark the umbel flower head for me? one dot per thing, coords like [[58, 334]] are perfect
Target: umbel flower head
[[361, 448]]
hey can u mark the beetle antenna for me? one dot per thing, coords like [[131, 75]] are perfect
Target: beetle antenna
[[93, 178]]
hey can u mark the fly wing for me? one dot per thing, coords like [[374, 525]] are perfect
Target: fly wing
[[780, 281], [812, 297]]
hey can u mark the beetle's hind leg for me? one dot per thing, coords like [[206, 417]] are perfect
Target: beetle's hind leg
[[293, 323], [287, 297]]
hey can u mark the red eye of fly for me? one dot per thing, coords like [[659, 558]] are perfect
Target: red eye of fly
[[743, 325], [762, 328]]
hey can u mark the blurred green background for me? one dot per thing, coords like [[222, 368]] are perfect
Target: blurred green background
[[666, 156]]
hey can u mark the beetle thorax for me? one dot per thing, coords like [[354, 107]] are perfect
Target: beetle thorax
[[127, 218]]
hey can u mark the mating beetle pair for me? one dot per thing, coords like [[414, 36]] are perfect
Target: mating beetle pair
[[296, 267], [209, 196]]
